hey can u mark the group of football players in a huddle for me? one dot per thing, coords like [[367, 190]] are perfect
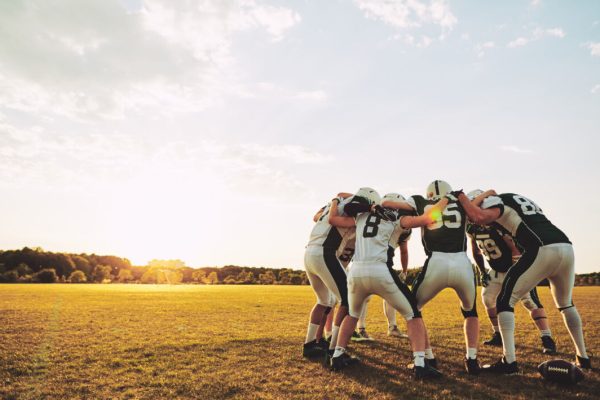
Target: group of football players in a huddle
[[349, 258]]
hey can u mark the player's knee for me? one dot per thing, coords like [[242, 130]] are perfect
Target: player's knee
[[529, 304], [504, 305], [565, 307], [470, 313], [489, 301]]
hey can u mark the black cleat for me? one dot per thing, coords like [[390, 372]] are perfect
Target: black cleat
[[548, 345], [345, 360], [472, 366], [312, 350], [324, 344], [495, 340], [427, 372], [431, 362], [501, 367], [584, 363], [327, 359]]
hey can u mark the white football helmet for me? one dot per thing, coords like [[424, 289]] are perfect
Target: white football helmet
[[474, 193], [393, 197], [438, 189], [369, 194]]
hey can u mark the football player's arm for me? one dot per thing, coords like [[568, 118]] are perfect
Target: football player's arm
[[479, 199], [511, 245], [404, 255], [479, 215], [477, 256], [397, 205], [338, 220], [432, 215], [318, 214]]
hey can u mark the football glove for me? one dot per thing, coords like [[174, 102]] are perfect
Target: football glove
[[485, 278], [384, 213]]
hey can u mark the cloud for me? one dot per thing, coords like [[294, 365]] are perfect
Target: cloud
[[515, 149], [101, 59], [423, 42], [595, 89], [594, 48], [482, 47], [535, 3], [409, 13], [537, 34]]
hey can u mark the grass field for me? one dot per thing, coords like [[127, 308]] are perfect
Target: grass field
[[209, 342]]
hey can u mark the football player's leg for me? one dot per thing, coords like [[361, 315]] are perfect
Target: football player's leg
[[399, 296], [329, 321], [430, 282], [356, 298], [561, 285], [523, 276], [464, 283], [323, 298], [335, 279], [488, 297], [532, 303], [362, 320]]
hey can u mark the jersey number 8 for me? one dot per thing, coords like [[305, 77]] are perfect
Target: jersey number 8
[[371, 226], [528, 207]]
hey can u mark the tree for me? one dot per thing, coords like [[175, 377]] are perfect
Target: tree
[[198, 276], [102, 273], [149, 276], [296, 279], [47, 275], [245, 278], [268, 278], [212, 278], [83, 265], [125, 275], [23, 269], [77, 277], [9, 277]]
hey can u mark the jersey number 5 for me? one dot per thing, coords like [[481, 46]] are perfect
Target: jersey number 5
[[450, 217]]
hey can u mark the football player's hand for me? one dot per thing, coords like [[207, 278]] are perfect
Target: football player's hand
[[384, 213], [485, 278], [453, 195]]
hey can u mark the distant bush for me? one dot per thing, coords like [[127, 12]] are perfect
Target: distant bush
[[9, 277], [47, 275], [77, 277]]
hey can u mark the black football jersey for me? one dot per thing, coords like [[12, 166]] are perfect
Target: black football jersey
[[525, 221], [447, 233], [489, 240]]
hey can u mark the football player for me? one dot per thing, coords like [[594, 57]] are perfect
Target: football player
[[389, 311], [501, 253], [447, 265], [370, 274], [548, 254], [325, 274]]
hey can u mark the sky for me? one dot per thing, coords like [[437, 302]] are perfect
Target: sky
[[212, 130]]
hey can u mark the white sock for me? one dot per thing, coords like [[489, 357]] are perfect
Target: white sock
[[311, 332], [573, 323], [429, 354], [471, 352], [506, 321], [339, 351], [334, 335], [545, 332], [419, 357]]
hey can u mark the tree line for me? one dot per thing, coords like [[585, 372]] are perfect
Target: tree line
[[34, 265]]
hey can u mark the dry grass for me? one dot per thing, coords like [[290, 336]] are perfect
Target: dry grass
[[138, 341]]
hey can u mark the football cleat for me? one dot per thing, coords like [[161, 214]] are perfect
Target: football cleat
[[495, 340], [548, 345], [327, 359], [501, 367], [584, 363], [324, 344], [361, 336], [312, 350], [472, 366], [394, 331], [427, 372], [430, 362], [340, 362]]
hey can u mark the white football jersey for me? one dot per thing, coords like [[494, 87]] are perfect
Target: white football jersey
[[374, 236], [328, 236]]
